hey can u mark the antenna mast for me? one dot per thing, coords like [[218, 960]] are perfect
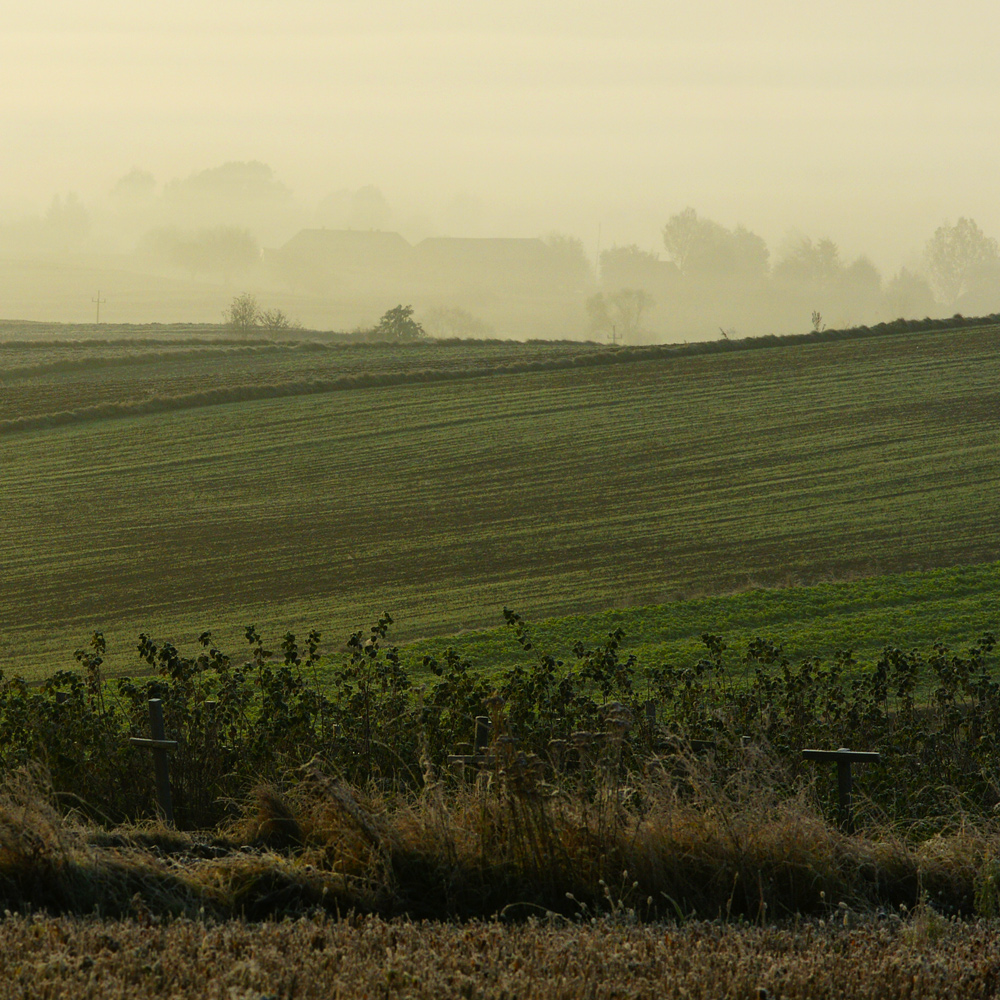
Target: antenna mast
[[99, 301]]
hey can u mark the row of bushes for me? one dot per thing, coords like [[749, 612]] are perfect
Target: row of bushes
[[240, 721]]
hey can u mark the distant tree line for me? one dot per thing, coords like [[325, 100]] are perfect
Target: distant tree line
[[223, 250], [709, 266], [701, 278]]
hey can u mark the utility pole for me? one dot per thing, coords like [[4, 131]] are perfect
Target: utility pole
[[99, 300]]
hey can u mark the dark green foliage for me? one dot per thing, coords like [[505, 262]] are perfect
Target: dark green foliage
[[939, 758], [263, 719], [398, 324]]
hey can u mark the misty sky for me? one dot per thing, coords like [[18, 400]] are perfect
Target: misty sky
[[869, 122]]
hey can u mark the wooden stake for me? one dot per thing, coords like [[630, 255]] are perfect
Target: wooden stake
[[845, 781], [160, 746], [483, 727]]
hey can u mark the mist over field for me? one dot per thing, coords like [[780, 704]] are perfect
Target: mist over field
[[468, 471], [636, 174]]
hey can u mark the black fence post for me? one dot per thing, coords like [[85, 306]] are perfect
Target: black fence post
[[480, 748], [845, 796]]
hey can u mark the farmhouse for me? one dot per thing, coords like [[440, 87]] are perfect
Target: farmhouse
[[331, 260], [519, 266]]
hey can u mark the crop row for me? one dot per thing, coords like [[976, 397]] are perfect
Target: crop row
[[554, 492], [69, 376]]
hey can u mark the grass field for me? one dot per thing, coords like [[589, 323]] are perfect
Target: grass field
[[45, 377], [834, 495], [909, 610], [554, 492]]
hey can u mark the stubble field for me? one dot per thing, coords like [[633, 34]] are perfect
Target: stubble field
[[373, 958]]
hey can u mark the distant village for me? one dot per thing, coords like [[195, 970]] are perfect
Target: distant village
[[180, 251], [331, 260], [467, 286], [461, 286]]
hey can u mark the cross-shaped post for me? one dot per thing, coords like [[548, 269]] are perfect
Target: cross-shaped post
[[845, 783], [160, 746], [99, 301]]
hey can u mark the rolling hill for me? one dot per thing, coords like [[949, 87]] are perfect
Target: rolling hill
[[476, 476]]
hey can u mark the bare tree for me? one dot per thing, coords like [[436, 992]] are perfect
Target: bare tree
[[275, 321], [957, 255], [243, 315], [618, 316], [628, 305]]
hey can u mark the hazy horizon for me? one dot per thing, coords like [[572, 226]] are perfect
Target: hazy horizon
[[872, 126]]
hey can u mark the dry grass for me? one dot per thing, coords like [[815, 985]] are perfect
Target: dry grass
[[80, 958], [672, 845], [319, 889]]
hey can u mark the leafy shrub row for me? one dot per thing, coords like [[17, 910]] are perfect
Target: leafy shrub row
[[934, 717]]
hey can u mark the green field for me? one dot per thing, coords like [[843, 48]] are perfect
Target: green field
[[908, 610], [555, 492], [45, 377]]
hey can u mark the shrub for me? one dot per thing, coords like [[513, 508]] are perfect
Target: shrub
[[261, 718]]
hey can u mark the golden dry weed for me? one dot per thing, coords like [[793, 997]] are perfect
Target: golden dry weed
[[44, 958], [500, 845]]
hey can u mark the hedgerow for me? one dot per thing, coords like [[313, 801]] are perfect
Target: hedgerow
[[241, 721]]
